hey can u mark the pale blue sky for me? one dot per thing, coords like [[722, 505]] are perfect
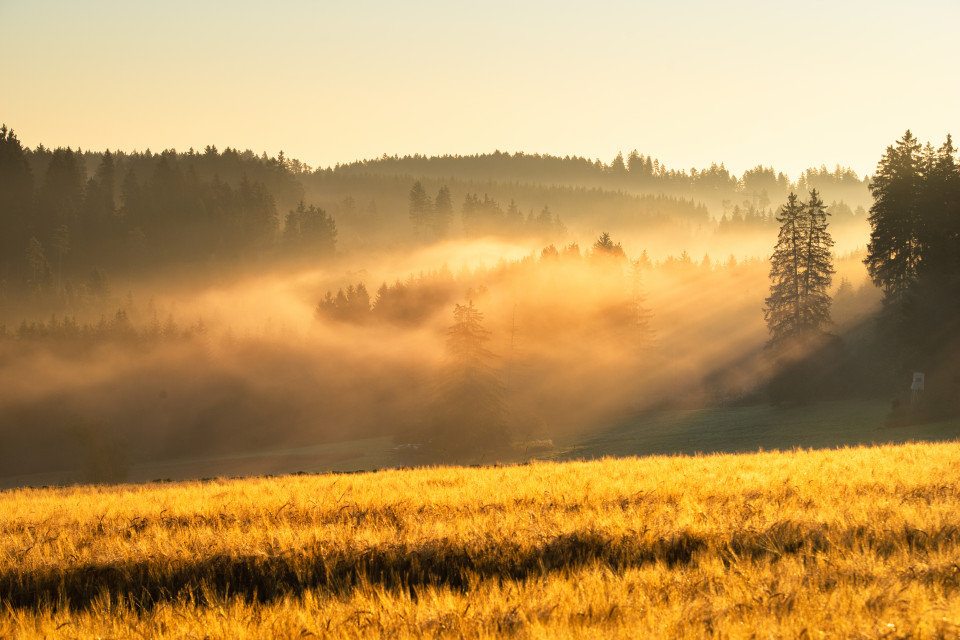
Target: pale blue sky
[[746, 83]]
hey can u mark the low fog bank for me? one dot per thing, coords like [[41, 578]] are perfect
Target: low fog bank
[[569, 337]]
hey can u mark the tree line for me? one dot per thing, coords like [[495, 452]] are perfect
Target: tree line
[[68, 215], [635, 172], [478, 216]]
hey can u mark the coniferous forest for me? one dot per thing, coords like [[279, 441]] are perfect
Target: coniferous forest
[[158, 307]]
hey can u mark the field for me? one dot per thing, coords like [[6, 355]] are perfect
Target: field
[[849, 542]]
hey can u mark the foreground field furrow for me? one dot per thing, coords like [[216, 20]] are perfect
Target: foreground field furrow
[[839, 543]]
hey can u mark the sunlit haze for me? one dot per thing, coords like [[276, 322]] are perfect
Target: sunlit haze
[[496, 319], [791, 85]]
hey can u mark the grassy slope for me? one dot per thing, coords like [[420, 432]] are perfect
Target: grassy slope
[[848, 542], [744, 429]]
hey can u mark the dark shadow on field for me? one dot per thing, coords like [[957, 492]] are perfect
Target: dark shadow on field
[[441, 563]]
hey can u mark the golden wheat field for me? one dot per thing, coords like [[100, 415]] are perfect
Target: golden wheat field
[[847, 543]]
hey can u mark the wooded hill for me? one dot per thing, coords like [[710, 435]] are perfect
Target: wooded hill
[[69, 218]]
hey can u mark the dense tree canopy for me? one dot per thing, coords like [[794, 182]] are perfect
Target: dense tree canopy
[[914, 250]]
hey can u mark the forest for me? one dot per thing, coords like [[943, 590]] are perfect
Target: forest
[[181, 305]]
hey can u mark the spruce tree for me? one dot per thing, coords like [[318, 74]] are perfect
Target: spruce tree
[[893, 253], [420, 207], [939, 212], [470, 413], [801, 270], [783, 310], [442, 212], [818, 266], [914, 250], [16, 201]]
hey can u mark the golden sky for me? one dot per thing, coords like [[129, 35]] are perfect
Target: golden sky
[[791, 85]]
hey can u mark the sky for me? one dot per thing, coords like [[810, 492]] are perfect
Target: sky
[[691, 82]]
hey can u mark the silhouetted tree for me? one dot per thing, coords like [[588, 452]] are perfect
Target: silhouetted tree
[[481, 216], [38, 269], [61, 244], [640, 316], [309, 231], [61, 193], [801, 270], [818, 265], [914, 250], [442, 212], [352, 305], [470, 413], [419, 207], [16, 202], [894, 249], [318, 232], [604, 246], [939, 211], [617, 166]]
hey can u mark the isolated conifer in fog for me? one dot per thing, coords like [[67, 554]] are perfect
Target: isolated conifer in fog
[[801, 269], [640, 315], [470, 415]]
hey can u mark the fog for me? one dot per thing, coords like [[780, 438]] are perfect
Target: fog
[[217, 366], [187, 314]]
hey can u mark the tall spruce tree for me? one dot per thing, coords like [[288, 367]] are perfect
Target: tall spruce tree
[[818, 266], [442, 212], [893, 253], [914, 251], [939, 212], [801, 270], [420, 207], [469, 417]]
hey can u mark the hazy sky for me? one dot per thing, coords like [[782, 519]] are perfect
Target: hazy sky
[[747, 82]]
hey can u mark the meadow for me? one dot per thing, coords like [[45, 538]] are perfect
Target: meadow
[[847, 542]]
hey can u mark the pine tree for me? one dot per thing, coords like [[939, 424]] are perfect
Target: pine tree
[[914, 250], [893, 253], [420, 207], [442, 212], [801, 271], [38, 269], [818, 266], [782, 312], [605, 247], [939, 212], [16, 201], [639, 319], [470, 412]]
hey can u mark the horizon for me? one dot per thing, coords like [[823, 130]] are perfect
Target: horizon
[[691, 84], [289, 157]]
